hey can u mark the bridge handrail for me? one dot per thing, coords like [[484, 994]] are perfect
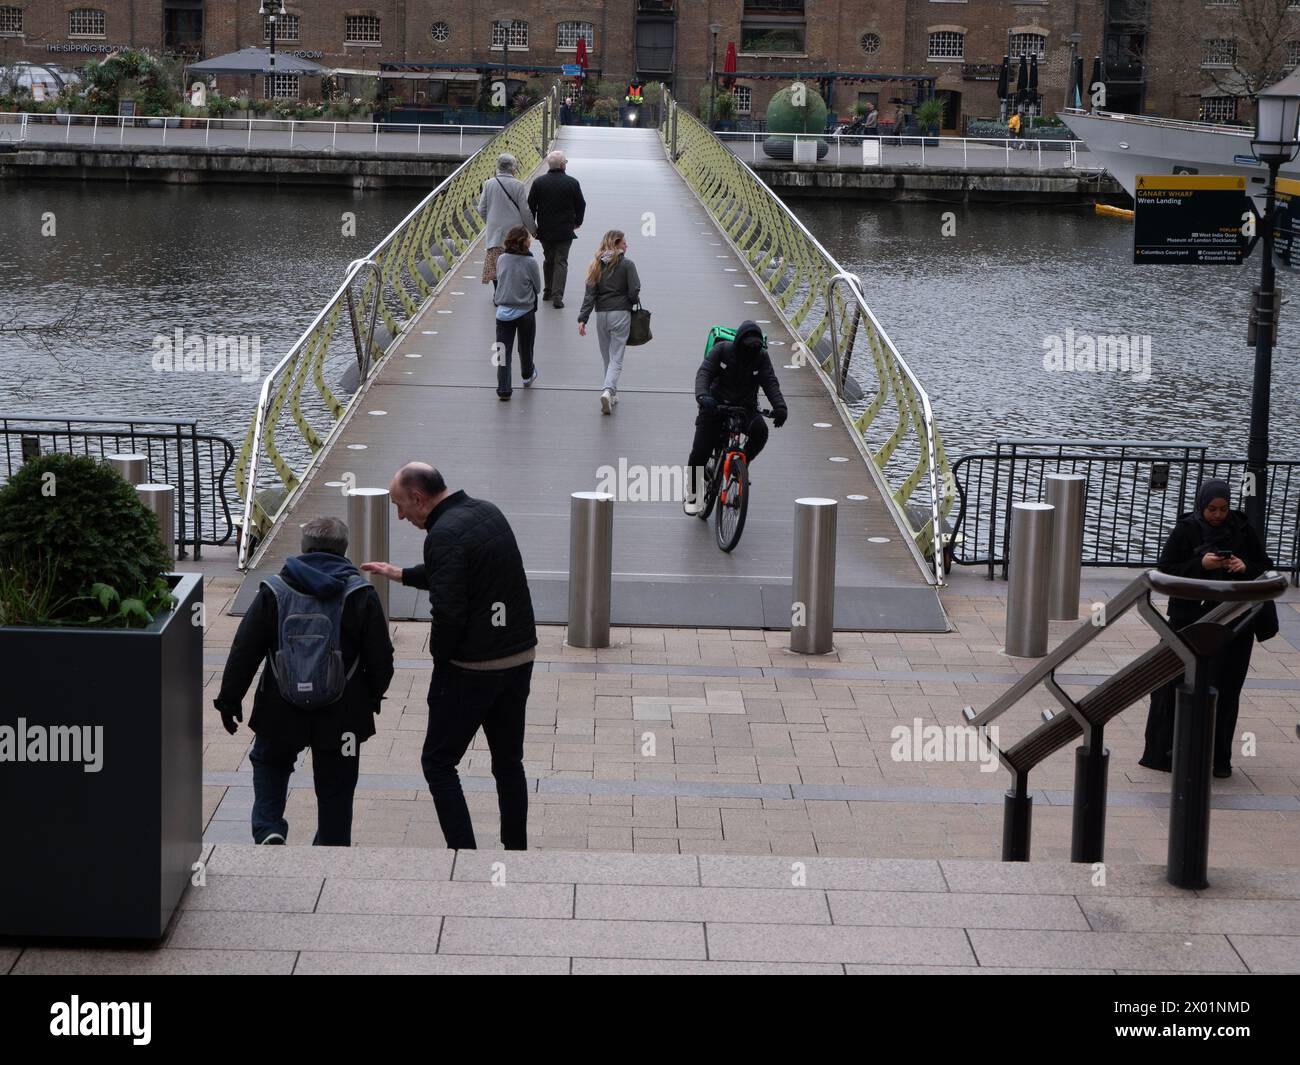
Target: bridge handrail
[[1163, 123], [402, 272], [803, 279]]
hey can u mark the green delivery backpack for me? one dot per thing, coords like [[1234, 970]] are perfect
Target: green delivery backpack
[[722, 332]]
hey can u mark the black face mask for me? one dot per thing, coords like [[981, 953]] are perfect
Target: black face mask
[[750, 348]]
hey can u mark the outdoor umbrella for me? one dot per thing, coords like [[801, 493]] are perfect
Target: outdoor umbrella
[[1096, 78], [1004, 77], [256, 61], [581, 57], [1022, 79], [729, 65], [1080, 90]]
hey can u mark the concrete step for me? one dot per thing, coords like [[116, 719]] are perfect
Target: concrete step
[[395, 910]]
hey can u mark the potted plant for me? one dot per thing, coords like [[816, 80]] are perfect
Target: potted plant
[[724, 112], [101, 733], [929, 113]]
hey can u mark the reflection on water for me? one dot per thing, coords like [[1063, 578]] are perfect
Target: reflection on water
[[972, 314], [139, 262]]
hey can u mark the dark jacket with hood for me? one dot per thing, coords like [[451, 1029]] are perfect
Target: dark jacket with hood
[[616, 288], [1182, 557], [478, 592], [732, 373], [556, 201], [363, 634]]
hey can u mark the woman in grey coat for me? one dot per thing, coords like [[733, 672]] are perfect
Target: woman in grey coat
[[503, 205], [519, 280], [613, 289]]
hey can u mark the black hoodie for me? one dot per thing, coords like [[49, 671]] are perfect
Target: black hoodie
[[732, 374]]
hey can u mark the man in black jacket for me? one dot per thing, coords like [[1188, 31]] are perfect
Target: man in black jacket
[[557, 204], [334, 732], [731, 375], [483, 644]]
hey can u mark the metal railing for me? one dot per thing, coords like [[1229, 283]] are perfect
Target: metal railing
[[195, 464], [846, 149], [1163, 123], [299, 134], [1137, 490], [381, 295], [876, 393]]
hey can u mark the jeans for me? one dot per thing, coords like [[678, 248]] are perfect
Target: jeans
[[709, 434], [612, 328], [336, 782], [460, 701], [555, 268], [526, 327]]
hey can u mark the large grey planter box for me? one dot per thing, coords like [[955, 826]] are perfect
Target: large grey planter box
[[103, 854]]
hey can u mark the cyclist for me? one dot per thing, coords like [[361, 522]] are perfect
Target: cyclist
[[731, 375]]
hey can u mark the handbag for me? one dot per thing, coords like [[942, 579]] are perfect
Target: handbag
[[639, 331], [526, 220]]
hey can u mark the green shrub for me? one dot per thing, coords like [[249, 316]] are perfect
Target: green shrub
[[77, 547]]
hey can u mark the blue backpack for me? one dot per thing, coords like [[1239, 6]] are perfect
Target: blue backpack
[[308, 668]]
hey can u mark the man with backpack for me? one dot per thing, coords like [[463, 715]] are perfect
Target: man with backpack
[[321, 630]]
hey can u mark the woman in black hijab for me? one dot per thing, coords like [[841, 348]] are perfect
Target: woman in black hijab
[[1212, 543]]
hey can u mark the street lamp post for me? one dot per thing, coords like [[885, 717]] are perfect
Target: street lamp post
[[271, 10], [714, 30], [505, 67], [1276, 141]]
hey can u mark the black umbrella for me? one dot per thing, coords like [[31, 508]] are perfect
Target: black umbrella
[[1096, 78], [1022, 77], [1033, 73], [1079, 90], [1004, 77]]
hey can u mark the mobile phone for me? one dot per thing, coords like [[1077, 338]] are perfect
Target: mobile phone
[[1223, 554]]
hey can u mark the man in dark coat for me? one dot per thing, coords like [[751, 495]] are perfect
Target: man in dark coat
[[557, 204], [730, 376], [483, 644], [334, 732]]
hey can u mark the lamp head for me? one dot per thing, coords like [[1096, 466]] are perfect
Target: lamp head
[[1277, 121]]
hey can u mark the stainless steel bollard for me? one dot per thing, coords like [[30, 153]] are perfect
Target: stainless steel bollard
[[368, 533], [591, 564], [133, 468], [812, 588], [1031, 542], [1065, 491], [161, 499]]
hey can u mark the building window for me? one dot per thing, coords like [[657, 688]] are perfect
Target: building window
[[361, 29], [744, 97], [759, 37], [280, 86], [441, 32], [1219, 109], [947, 44], [1028, 44], [567, 34], [1220, 52], [286, 28], [870, 43], [516, 29], [11, 20], [1293, 50], [86, 22]]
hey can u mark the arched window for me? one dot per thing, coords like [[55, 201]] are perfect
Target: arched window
[[287, 28], [361, 29], [87, 22], [11, 20], [1028, 44], [947, 44], [515, 29], [567, 34]]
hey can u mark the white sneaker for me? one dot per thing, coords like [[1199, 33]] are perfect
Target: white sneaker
[[613, 399], [530, 381], [606, 402], [273, 839], [693, 507]]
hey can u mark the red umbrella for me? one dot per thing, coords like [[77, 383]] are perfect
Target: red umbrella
[[729, 65], [581, 59]]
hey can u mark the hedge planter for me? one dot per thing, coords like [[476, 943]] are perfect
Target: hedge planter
[[101, 773]]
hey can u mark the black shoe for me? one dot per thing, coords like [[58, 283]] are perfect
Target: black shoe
[[1222, 772], [546, 296], [503, 396], [1161, 765], [558, 305]]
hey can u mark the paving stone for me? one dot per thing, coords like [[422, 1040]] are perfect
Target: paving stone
[[1245, 883], [435, 898], [964, 970], [1054, 878], [389, 863], [1241, 916], [8, 955], [253, 894], [306, 931], [578, 868], [751, 905], [1269, 954], [844, 873], [919, 909], [570, 938], [1167, 952], [899, 946], [57, 961], [316, 962], [659, 967]]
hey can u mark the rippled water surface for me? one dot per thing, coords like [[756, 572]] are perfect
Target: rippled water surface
[[970, 313]]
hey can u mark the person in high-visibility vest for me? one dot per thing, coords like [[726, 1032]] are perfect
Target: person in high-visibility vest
[[633, 95]]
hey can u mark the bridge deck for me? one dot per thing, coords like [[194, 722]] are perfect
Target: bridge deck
[[528, 455]]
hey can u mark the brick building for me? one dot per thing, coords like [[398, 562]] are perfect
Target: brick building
[[1156, 59]]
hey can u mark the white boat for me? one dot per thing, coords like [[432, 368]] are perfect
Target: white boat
[[1129, 145]]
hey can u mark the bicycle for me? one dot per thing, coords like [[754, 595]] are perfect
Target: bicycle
[[726, 478]]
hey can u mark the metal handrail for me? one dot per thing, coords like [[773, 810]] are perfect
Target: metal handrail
[[433, 239], [1164, 123], [800, 278], [1269, 585]]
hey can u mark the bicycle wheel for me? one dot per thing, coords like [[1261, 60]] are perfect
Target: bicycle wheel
[[711, 484], [733, 501]]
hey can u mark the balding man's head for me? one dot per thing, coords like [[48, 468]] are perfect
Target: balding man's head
[[557, 160], [416, 489]]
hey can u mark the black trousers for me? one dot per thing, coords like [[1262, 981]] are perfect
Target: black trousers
[[709, 434], [555, 268], [460, 702], [1228, 672], [526, 328], [336, 782]]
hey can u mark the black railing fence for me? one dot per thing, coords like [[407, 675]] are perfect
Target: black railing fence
[[1136, 491], [196, 464]]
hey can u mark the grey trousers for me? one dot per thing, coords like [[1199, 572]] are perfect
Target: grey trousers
[[612, 328], [555, 267]]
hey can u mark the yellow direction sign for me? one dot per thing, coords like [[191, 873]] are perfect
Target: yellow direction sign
[[1190, 218], [1286, 222]]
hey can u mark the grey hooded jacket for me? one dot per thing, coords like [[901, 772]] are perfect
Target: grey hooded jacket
[[503, 205]]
